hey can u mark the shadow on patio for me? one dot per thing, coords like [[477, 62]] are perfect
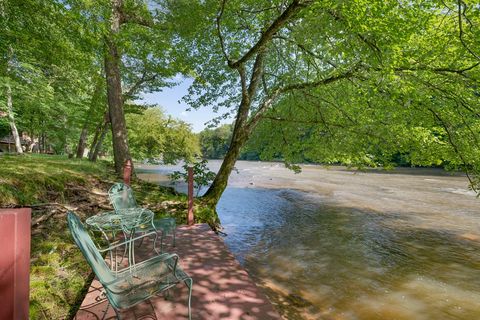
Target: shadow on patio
[[221, 287]]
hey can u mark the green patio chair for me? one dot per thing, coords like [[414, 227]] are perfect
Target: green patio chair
[[122, 199], [134, 284]]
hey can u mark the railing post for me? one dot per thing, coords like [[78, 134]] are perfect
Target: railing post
[[127, 171], [15, 225], [190, 218]]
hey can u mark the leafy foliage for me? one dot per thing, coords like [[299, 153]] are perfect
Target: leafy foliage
[[202, 176], [152, 135], [215, 142], [353, 82]]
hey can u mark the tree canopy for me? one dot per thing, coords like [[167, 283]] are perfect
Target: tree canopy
[[356, 82], [55, 93], [161, 137]]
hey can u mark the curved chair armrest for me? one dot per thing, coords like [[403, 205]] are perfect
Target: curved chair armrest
[[127, 242], [127, 273]]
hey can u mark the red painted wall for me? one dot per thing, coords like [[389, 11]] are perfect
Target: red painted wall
[[14, 263]]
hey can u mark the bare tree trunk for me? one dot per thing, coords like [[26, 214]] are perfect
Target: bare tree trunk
[[114, 90], [11, 120], [82, 142], [100, 133], [98, 146]]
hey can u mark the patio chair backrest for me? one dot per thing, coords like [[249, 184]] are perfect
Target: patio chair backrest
[[88, 248], [121, 197]]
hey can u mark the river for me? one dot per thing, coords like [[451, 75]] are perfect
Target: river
[[333, 243]]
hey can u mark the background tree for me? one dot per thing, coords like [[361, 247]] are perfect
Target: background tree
[[45, 89], [137, 57], [156, 136], [215, 142]]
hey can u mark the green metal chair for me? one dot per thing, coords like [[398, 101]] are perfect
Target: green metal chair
[[122, 199], [134, 284]]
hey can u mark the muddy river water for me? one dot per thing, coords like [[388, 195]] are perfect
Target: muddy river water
[[333, 243]]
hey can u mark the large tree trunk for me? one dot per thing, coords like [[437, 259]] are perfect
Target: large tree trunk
[[11, 120], [114, 90], [241, 130], [239, 137], [218, 186]]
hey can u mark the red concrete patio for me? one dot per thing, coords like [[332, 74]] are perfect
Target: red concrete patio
[[222, 289]]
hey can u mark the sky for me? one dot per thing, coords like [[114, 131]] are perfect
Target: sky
[[169, 98]]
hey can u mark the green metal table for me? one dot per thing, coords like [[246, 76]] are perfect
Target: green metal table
[[127, 221]]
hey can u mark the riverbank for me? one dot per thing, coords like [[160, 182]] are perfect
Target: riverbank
[[51, 186]]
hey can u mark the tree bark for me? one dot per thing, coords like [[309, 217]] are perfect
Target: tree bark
[[241, 130], [220, 182], [98, 131], [11, 120], [121, 152], [82, 142], [100, 134], [99, 144]]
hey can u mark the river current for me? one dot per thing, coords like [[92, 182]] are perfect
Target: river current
[[333, 243]]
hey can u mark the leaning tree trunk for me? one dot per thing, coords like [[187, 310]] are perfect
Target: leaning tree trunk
[[218, 185], [82, 142], [98, 146], [100, 134], [240, 135], [11, 120], [98, 131], [241, 131], [114, 90]]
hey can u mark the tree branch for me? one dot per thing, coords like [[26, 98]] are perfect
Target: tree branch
[[219, 32], [300, 86], [455, 148], [313, 84], [257, 73], [306, 50], [437, 70], [461, 12], [338, 17], [131, 17], [143, 79], [267, 35]]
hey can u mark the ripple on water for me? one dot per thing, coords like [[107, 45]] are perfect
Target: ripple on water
[[319, 261]]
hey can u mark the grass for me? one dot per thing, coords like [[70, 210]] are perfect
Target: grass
[[52, 185]]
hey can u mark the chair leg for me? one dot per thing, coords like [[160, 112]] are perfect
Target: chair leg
[[141, 241], [155, 244], [118, 314], [174, 231], [189, 283], [161, 242], [106, 311]]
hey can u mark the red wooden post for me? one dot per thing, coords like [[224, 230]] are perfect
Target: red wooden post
[[127, 171], [190, 196], [14, 263]]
